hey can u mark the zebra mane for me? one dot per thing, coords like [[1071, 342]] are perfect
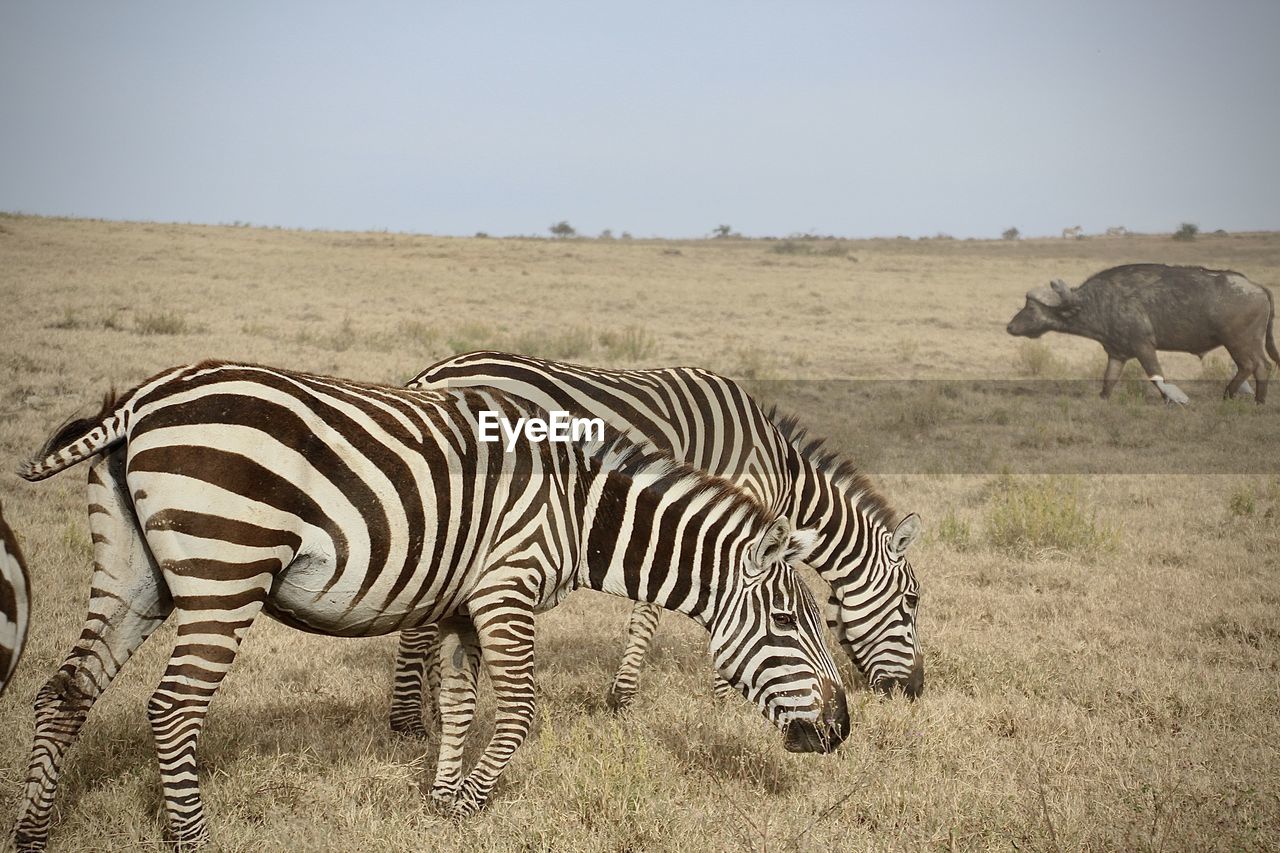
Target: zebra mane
[[843, 473], [618, 453]]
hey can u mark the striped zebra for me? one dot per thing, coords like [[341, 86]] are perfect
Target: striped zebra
[[711, 422], [220, 490], [15, 603]]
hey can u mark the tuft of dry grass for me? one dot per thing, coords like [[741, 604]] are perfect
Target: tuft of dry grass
[[1047, 514]]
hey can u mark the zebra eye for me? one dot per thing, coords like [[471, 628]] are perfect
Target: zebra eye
[[784, 620], [912, 600]]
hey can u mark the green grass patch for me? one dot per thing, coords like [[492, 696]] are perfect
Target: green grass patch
[[1045, 515]]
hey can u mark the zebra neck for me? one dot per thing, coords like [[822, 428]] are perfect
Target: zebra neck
[[663, 541], [833, 508]]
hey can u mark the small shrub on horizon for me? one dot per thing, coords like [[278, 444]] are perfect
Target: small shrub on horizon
[[1186, 232], [1010, 234], [563, 229]]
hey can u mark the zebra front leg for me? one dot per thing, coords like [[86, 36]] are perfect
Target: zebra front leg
[[416, 686], [210, 630], [459, 652], [127, 602], [504, 625], [640, 630]]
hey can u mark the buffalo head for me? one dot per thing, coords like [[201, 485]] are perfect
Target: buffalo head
[[1047, 310]]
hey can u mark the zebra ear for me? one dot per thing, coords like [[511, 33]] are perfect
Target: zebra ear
[[782, 544], [906, 533], [802, 542], [772, 546]]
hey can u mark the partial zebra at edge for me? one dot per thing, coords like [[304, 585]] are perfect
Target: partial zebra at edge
[[15, 603]]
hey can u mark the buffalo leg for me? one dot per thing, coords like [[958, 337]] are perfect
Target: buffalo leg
[[1151, 366], [1109, 376]]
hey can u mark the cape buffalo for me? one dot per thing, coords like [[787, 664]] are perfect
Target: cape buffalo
[[1137, 309]]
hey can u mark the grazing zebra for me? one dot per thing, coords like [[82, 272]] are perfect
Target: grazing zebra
[[15, 603], [711, 422], [348, 509]]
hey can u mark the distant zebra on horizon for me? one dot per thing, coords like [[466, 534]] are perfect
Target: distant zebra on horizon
[[711, 422], [221, 490], [15, 603]]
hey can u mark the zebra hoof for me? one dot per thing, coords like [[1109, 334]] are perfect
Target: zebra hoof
[[412, 729], [619, 701], [28, 842], [467, 803], [189, 838], [442, 798]]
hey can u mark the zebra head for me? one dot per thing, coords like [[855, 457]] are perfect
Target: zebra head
[[875, 618], [768, 641]]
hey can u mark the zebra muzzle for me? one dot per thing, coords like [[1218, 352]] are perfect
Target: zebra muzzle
[[827, 732]]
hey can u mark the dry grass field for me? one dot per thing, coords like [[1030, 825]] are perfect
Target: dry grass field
[[1101, 616]]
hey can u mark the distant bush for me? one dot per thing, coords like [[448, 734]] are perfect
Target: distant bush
[[162, 323], [724, 232], [630, 344], [571, 342], [1186, 232], [1243, 502], [754, 363], [472, 336], [795, 247], [954, 532], [1010, 234], [339, 339], [1032, 516], [417, 333], [563, 229]]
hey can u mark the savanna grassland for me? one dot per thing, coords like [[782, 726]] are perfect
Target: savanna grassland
[[1101, 581]]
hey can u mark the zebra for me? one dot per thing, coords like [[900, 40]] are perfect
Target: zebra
[[219, 490], [15, 603], [711, 422]]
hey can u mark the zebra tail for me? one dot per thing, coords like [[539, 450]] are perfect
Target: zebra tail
[[77, 440]]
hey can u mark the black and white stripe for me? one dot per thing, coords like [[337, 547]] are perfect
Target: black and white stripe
[[221, 490], [711, 422], [15, 604]]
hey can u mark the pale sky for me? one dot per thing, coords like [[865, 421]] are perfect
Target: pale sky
[[657, 118]]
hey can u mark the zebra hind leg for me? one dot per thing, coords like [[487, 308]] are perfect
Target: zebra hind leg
[[208, 639], [416, 685], [640, 630], [128, 600], [503, 618], [460, 651]]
